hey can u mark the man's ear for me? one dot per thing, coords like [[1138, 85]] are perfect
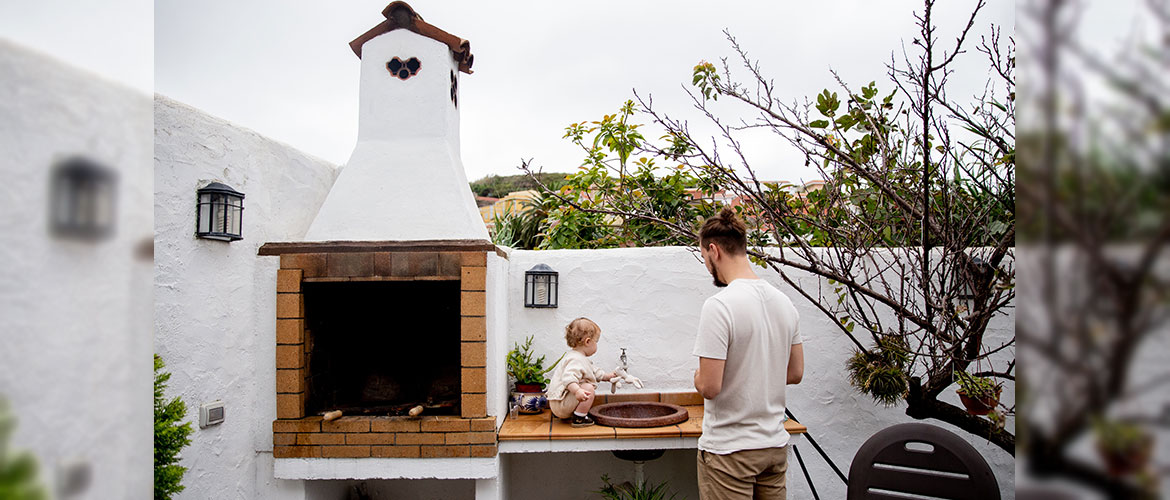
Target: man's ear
[[713, 250]]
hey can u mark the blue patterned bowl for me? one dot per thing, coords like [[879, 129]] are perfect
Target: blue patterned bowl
[[529, 402]]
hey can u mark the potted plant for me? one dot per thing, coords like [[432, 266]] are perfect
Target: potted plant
[[1124, 447], [979, 394], [529, 373]]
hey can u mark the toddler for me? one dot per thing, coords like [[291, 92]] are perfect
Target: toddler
[[570, 392]]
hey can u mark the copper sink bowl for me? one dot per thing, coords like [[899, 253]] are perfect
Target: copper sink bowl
[[639, 414]]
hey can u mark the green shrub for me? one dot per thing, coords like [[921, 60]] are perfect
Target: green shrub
[[18, 471], [170, 436], [628, 492]]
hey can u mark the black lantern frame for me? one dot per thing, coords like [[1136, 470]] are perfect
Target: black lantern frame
[[219, 213], [541, 288], [83, 198], [966, 293]]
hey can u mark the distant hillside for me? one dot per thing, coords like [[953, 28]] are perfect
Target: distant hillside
[[497, 186]]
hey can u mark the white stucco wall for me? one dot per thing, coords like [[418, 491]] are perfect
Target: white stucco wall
[[75, 350], [648, 300], [215, 301], [497, 300]]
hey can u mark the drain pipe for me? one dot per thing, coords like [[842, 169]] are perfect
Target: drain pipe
[[639, 458], [639, 477]]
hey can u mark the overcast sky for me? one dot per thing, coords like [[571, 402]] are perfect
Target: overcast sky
[[285, 68]]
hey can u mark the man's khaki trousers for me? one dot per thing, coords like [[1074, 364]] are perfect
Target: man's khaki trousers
[[747, 474]]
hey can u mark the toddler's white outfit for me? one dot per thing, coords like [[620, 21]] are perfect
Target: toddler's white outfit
[[575, 367]]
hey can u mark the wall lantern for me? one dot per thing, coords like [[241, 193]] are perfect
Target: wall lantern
[[219, 213], [966, 293], [540, 287], [82, 198]]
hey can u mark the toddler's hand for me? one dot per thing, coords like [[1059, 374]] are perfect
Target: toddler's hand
[[583, 394]]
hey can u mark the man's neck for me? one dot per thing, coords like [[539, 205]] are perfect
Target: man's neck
[[739, 268]]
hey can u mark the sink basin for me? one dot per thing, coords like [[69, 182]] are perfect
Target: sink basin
[[638, 414]]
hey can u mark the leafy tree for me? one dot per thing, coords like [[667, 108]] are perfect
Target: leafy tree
[[619, 199], [914, 231], [18, 471], [1095, 213], [498, 186], [170, 436]]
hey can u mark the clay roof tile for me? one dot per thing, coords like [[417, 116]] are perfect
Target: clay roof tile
[[399, 15]]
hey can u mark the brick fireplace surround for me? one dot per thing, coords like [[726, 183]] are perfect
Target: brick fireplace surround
[[297, 435]]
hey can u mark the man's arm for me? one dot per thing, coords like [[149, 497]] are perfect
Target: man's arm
[[709, 377], [795, 364]]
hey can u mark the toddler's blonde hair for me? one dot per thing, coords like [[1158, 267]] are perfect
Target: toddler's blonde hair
[[581, 329]]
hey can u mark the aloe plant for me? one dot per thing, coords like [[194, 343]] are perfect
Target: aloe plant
[[524, 368], [627, 492]]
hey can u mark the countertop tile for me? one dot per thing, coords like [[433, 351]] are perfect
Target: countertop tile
[[527, 427], [562, 430]]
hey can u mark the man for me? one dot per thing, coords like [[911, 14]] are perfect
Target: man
[[748, 349]]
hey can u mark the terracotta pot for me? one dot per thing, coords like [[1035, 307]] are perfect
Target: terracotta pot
[[1124, 463], [529, 387], [979, 406]]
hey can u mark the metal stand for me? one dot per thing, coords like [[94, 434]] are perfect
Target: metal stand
[[824, 455], [804, 469]]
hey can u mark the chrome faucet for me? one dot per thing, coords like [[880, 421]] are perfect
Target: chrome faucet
[[625, 366]]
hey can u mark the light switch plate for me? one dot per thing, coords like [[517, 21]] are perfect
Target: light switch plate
[[211, 414]]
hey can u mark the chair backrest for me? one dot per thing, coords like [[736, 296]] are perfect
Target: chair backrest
[[920, 459]]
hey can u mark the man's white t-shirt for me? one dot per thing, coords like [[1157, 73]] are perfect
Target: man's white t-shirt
[[752, 326]]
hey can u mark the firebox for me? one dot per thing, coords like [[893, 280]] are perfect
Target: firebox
[[383, 347]]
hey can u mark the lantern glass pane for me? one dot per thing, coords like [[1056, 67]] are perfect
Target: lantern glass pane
[[83, 196], [540, 298], [62, 200], [220, 213], [103, 205], [204, 213], [235, 220]]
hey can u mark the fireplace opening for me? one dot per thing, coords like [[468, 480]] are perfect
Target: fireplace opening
[[383, 347]]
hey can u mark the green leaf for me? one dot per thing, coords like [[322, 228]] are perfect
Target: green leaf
[[870, 90], [845, 122], [819, 123]]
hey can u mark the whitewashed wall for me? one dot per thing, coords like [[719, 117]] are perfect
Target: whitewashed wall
[[75, 335], [498, 299], [215, 301], [648, 300]]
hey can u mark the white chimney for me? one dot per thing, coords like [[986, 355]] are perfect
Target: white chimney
[[404, 179]]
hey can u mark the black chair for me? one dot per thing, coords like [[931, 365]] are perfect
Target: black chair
[[920, 459]]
